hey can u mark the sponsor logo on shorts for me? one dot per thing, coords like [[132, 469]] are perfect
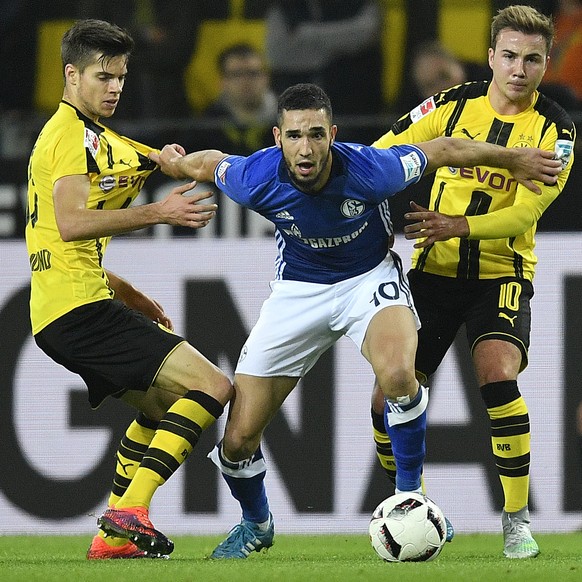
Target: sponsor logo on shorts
[[510, 319]]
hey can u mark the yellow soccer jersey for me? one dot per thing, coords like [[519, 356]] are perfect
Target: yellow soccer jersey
[[66, 275], [493, 202]]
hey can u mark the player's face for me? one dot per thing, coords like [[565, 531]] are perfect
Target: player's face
[[96, 90], [518, 63], [305, 138]]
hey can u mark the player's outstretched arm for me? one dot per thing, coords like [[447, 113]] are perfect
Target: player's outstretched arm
[[77, 222], [526, 164], [198, 166]]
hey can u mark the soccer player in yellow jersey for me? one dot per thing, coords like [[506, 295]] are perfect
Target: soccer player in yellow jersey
[[82, 178], [474, 261]]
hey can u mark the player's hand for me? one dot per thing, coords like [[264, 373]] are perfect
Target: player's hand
[[433, 226], [166, 160], [139, 301], [179, 210], [151, 309], [535, 164]]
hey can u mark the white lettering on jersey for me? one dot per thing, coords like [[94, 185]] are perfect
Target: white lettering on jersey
[[412, 165], [326, 243], [91, 142]]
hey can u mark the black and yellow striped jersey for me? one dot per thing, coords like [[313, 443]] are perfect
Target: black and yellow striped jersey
[[501, 213], [66, 275]]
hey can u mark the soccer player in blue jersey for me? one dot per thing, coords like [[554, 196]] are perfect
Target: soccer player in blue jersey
[[335, 276]]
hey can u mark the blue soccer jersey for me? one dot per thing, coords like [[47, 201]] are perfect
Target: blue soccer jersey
[[337, 233]]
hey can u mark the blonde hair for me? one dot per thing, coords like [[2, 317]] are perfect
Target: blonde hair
[[525, 19]]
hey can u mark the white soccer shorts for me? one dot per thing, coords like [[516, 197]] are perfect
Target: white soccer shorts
[[299, 320]]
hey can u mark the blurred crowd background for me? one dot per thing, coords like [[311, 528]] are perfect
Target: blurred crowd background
[[206, 73]]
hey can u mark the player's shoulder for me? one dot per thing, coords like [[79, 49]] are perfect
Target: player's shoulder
[[446, 101], [70, 123], [353, 154], [465, 91], [556, 114], [257, 168], [351, 150], [356, 155]]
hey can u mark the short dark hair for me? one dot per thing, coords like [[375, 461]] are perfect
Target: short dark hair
[[303, 96], [241, 49], [90, 37]]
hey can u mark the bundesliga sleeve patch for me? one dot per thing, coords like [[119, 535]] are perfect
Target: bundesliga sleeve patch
[[423, 109], [412, 165], [91, 142], [563, 151], [221, 171]]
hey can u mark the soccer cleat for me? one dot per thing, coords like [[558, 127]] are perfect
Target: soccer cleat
[[450, 531], [101, 550], [518, 541], [244, 538], [134, 524]]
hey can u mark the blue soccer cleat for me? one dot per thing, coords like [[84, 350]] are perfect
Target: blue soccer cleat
[[244, 538], [450, 531]]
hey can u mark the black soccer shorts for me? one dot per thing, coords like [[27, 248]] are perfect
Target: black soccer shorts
[[489, 308], [113, 348]]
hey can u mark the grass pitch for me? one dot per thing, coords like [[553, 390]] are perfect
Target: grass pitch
[[293, 558]]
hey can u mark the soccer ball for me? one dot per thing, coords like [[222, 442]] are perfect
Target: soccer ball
[[408, 527]]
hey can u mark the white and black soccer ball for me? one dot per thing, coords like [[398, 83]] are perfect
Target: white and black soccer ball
[[408, 527]]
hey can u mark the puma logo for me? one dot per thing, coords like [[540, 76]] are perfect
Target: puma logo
[[568, 131], [464, 131], [123, 466], [510, 319]]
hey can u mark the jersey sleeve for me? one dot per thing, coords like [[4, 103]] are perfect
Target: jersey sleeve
[[421, 124], [229, 177], [399, 167], [528, 206]]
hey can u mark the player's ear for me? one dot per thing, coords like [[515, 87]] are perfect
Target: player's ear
[[71, 74], [333, 132], [277, 136]]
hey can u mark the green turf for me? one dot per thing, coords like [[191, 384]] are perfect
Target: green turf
[[322, 558]]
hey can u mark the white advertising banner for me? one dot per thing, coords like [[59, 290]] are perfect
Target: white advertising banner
[[323, 476]]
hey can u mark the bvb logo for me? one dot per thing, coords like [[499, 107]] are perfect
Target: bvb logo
[[351, 208], [522, 144]]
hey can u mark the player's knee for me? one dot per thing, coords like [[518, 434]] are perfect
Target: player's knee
[[398, 381], [239, 445], [219, 386]]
